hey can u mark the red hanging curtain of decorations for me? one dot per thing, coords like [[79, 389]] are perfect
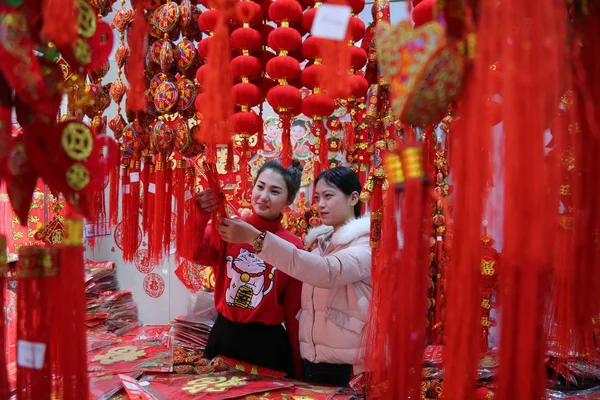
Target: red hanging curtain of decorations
[[531, 42], [4, 383]]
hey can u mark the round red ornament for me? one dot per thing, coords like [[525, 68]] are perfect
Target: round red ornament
[[142, 261], [186, 94], [154, 285], [165, 97]]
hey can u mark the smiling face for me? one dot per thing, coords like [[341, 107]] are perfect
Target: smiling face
[[272, 131], [334, 206], [298, 133], [269, 195]]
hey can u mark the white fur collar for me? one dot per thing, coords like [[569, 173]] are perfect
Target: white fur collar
[[350, 231]]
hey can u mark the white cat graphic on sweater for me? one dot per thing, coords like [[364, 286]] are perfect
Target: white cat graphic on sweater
[[248, 280]]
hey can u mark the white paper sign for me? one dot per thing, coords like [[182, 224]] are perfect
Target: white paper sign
[[31, 354], [126, 189], [331, 21], [134, 177], [151, 188], [346, 118]]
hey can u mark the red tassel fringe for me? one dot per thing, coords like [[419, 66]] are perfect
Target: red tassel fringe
[[180, 193], [115, 175], [156, 247], [4, 383], [217, 98], [60, 21], [168, 210], [135, 70], [69, 329], [286, 154]]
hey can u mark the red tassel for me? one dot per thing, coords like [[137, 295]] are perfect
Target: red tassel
[[192, 220], [60, 21], [125, 213], [349, 135], [217, 103], [526, 263], [321, 133], [134, 211], [159, 206], [229, 165], [384, 274], [286, 156], [180, 194], [70, 307], [150, 197], [145, 184], [168, 210], [245, 183], [4, 383], [260, 136], [114, 195], [35, 291], [136, 60]]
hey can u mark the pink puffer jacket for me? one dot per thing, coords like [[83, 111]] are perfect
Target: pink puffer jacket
[[336, 291]]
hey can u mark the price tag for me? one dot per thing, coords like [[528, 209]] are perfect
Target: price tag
[[31, 354], [151, 188], [331, 21], [134, 177]]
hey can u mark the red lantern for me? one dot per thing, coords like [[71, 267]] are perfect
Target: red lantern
[[423, 12], [358, 86], [283, 68], [246, 67], [284, 99], [247, 12], [246, 123], [208, 20], [357, 29], [247, 94], [284, 39], [311, 75], [285, 10], [318, 105], [246, 39]]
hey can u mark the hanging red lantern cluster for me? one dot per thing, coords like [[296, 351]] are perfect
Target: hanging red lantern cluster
[[285, 98], [318, 105], [247, 69]]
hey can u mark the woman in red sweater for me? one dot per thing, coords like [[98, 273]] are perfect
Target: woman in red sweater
[[253, 298]]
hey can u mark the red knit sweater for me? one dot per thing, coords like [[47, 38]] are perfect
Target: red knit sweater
[[249, 290]]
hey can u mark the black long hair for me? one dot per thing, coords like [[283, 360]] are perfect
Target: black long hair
[[291, 175], [346, 180]]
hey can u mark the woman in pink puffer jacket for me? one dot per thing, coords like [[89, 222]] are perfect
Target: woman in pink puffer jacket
[[336, 275]]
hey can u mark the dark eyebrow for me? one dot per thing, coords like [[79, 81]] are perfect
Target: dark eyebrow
[[272, 187]]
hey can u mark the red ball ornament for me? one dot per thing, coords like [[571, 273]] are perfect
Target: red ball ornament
[[311, 48], [318, 105], [357, 5], [247, 94], [284, 99], [246, 122], [358, 86], [285, 10], [203, 47], [311, 75], [246, 67], [423, 12], [307, 18], [246, 39], [207, 21], [284, 38], [283, 67], [357, 29], [358, 57], [247, 12]]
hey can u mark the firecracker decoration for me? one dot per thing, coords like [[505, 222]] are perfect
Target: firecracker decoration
[[490, 265], [439, 255]]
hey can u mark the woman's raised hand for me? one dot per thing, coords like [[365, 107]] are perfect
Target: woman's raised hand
[[206, 200]]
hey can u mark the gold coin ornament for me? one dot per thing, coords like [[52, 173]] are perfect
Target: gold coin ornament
[[77, 141], [78, 177], [245, 277], [82, 52], [86, 19]]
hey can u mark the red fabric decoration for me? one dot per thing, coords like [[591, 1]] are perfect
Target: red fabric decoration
[[218, 105], [135, 64], [60, 21], [4, 383]]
